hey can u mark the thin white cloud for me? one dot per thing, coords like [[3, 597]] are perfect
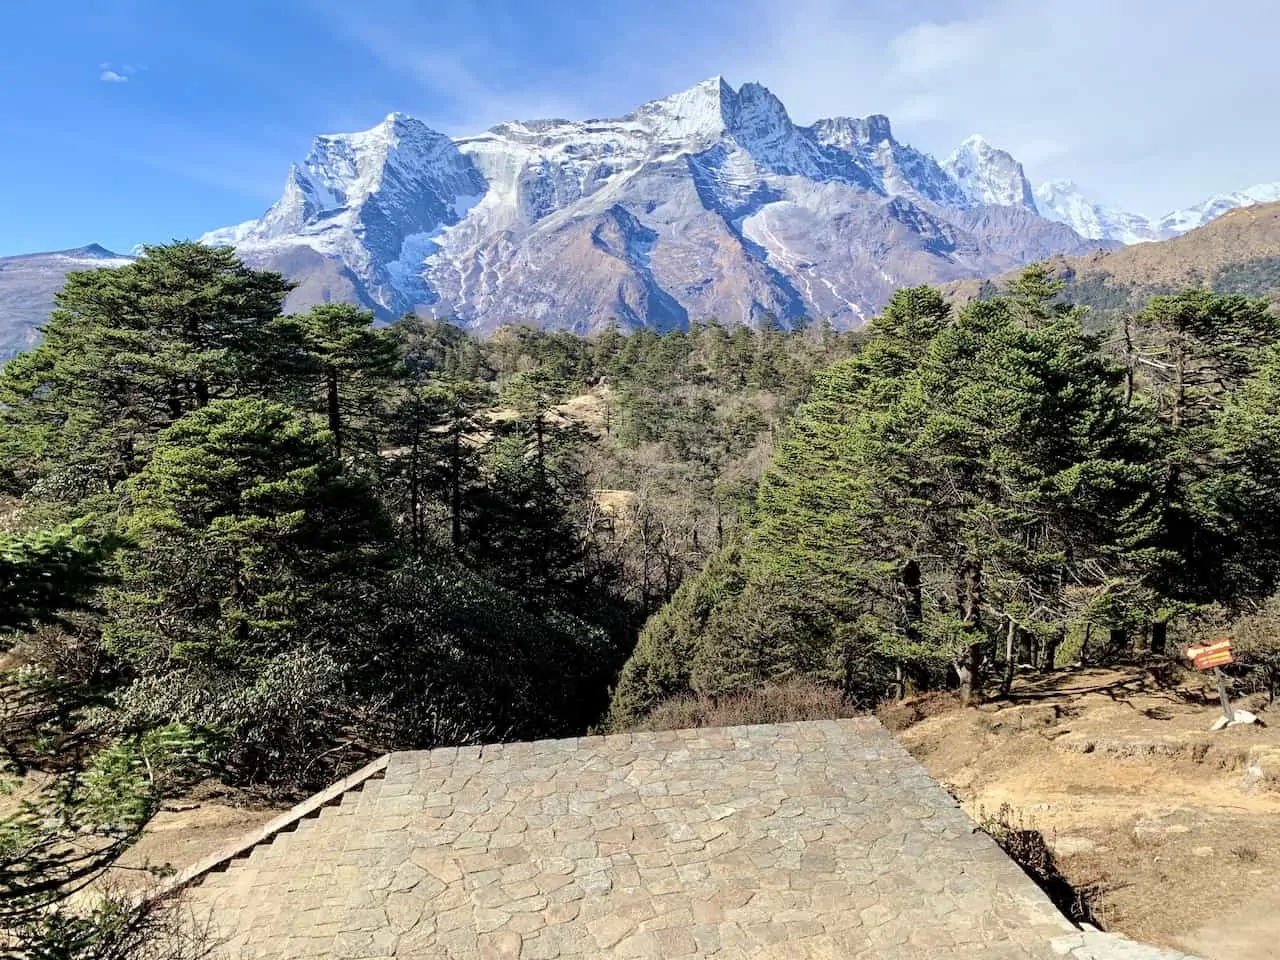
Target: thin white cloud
[[929, 48], [118, 73], [466, 95], [1154, 103]]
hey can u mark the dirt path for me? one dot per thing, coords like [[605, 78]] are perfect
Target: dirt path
[[1176, 830], [184, 834]]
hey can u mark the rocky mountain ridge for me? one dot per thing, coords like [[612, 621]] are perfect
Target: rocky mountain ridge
[[711, 202], [28, 284], [708, 203]]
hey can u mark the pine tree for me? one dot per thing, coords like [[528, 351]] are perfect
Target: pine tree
[[436, 433], [49, 572], [129, 351], [247, 587], [1193, 350], [356, 364], [245, 535], [1033, 477], [1238, 496]]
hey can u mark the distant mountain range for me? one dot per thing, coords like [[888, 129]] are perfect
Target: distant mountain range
[[708, 203], [1063, 201], [27, 286]]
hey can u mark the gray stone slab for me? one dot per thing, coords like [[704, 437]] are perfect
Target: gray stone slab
[[795, 840]]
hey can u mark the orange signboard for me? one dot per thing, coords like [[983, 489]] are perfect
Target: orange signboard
[[1216, 654]]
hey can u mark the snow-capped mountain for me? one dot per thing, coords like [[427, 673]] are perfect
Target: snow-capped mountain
[[1063, 201], [711, 202], [989, 175], [1180, 221], [708, 203]]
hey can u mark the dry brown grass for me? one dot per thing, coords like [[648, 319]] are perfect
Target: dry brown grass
[[775, 703], [898, 715], [1142, 808]]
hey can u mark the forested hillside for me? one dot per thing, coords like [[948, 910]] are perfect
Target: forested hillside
[[1235, 253], [260, 548], [329, 540], [984, 488]]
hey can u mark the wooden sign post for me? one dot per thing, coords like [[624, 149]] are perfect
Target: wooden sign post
[[1214, 656]]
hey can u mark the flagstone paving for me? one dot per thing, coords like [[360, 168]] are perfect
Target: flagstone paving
[[799, 840]]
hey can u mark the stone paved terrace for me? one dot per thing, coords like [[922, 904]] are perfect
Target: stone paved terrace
[[782, 842]]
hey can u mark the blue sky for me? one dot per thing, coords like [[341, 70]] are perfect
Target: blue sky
[[146, 120]]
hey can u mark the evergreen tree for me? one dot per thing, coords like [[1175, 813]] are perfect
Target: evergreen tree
[[47, 573], [1193, 350], [436, 433], [130, 350], [243, 523], [1238, 496], [248, 575], [355, 364]]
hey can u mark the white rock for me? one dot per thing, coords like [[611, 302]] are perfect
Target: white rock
[[1239, 718]]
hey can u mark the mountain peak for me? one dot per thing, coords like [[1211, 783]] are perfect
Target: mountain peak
[[95, 251], [855, 131], [567, 220], [700, 112], [1065, 202], [990, 175]]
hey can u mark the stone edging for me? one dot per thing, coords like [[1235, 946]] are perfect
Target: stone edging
[[268, 830]]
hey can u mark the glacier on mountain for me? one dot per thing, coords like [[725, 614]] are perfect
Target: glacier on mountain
[[1063, 201]]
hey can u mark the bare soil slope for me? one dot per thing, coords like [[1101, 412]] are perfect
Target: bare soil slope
[[1175, 830]]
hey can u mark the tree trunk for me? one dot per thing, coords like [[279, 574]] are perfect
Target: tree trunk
[[969, 667], [1051, 653], [912, 601], [538, 428], [1159, 637], [1179, 385], [1117, 640], [455, 488], [1084, 647], [415, 509], [1128, 361], [1142, 642], [1010, 658], [335, 416]]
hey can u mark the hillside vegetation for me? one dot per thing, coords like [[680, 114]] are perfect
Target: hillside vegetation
[[254, 549], [982, 489], [1238, 252]]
